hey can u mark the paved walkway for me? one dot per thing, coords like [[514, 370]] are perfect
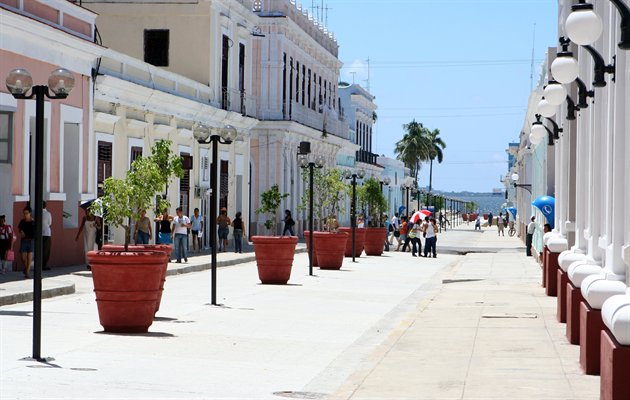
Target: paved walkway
[[392, 327]]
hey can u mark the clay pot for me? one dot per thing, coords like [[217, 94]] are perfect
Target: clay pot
[[359, 239], [274, 258], [375, 241], [127, 287], [307, 235], [465, 217], [331, 248], [165, 248]]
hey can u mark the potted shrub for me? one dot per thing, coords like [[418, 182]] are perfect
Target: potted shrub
[[329, 243], [376, 233], [274, 254], [128, 282]]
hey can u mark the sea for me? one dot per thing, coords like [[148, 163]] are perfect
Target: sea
[[486, 202]]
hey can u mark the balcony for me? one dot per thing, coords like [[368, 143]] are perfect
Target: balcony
[[366, 157], [237, 101], [326, 120]]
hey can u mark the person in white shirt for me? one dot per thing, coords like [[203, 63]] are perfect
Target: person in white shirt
[[181, 224], [531, 228], [46, 236], [395, 222]]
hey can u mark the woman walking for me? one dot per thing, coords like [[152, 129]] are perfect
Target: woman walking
[[89, 224], [238, 232], [6, 243], [26, 229], [164, 234], [144, 232], [224, 229]]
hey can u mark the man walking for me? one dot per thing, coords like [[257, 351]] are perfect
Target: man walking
[[181, 224], [531, 228], [46, 236], [501, 225]]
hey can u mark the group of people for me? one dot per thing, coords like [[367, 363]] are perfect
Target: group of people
[[411, 234], [174, 230], [502, 221]]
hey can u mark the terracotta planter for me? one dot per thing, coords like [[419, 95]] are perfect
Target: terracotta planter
[[127, 287], [307, 235], [359, 238], [331, 248], [274, 258], [165, 248], [465, 217], [375, 241]]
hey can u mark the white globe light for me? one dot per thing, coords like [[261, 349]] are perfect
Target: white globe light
[[583, 26], [515, 177], [555, 93], [538, 130], [546, 109], [565, 68], [534, 139]]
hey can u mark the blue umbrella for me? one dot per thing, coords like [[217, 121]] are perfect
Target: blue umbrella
[[547, 206]]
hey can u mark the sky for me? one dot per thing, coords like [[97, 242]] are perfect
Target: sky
[[461, 66]]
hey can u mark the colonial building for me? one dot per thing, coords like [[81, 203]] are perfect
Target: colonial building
[[295, 70], [40, 36], [171, 67]]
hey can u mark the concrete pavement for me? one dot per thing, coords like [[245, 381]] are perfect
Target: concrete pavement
[[392, 327]]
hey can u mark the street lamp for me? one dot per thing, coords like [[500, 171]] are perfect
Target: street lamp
[[527, 187], [205, 135], [385, 182], [584, 26], [303, 152], [353, 207], [60, 83]]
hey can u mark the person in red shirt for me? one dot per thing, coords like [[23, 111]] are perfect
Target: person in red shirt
[[403, 234]]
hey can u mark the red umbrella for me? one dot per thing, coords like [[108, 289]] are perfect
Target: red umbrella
[[420, 215]]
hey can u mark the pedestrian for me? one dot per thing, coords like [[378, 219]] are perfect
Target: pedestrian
[[390, 230], [395, 223], [361, 222], [181, 224], [143, 231], [478, 222], [501, 225], [26, 229], [289, 223], [197, 230], [332, 225], [7, 237], [403, 233], [531, 228], [406, 244], [238, 232], [89, 227], [430, 238], [223, 221], [165, 236], [46, 236], [414, 233], [490, 216]]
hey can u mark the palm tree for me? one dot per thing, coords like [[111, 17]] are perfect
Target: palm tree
[[414, 147], [436, 145]]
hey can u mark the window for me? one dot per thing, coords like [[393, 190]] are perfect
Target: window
[[156, 47], [136, 152], [184, 187], [6, 134], [241, 75], [104, 164], [225, 64]]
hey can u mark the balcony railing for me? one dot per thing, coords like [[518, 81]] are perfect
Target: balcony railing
[[325, 121], [237, 101], [366, 157]]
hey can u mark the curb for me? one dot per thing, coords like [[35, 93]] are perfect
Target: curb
[[54, 289]]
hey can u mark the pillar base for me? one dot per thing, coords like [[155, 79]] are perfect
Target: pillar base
[[544, 266], [563, 279], [574, 299], [615, 358], [551, 274], [591, 326]]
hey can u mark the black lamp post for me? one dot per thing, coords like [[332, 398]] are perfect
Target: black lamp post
[[303, 152], [353, 207], [60, 83], [205, 135], [527, 187]]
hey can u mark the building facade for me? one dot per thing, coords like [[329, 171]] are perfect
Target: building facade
[[41, 36]]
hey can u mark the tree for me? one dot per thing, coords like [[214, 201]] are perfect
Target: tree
[[270, 201], [328, 193], [372, 196], [436, 145], [413, 148]]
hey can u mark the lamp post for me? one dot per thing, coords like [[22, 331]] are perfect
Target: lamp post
[[60, 83], [303, 152], [527, 187], [205, 135], [386, 181], [353, 207]]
